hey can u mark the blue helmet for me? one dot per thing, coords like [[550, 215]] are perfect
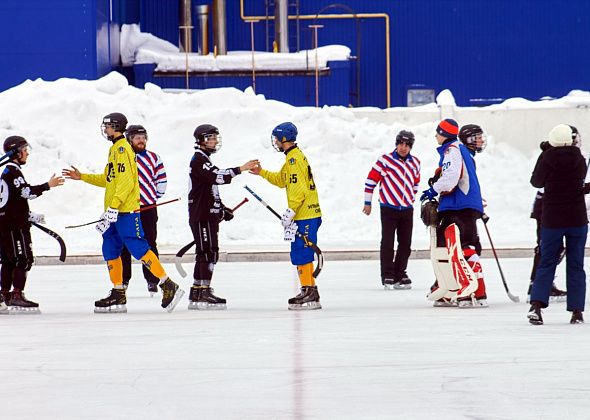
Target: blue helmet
[[285, 132]]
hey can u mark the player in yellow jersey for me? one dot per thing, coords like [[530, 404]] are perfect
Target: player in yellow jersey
[[303, 213], [120, 224]]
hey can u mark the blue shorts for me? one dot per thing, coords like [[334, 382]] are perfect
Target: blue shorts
[[126, 231], [300, 253]]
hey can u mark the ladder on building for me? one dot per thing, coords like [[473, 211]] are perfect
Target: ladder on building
[[294, 25]]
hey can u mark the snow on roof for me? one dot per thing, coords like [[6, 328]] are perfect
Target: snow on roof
[[143, 48]]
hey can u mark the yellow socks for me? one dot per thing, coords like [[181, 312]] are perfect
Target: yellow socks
[[116, 272], [305, 273], [151, 261]]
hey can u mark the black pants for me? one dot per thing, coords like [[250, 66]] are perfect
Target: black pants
[[465, 220], [16, 250], [205, 234], [149, 223], [392, 222]]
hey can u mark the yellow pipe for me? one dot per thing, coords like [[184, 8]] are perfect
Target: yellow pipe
[[344, 16]]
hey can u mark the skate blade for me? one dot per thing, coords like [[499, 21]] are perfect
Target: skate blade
[[388, 287], [309, 306], [115, 309], [152, 294], [444, 305], [534, 320], [471, 305], [402, 286], [206, 306], [557, 299], [177, 296], [19, 310]]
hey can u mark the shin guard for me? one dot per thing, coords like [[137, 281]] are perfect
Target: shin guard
[[462, 272], [116, 271], [151, 261]]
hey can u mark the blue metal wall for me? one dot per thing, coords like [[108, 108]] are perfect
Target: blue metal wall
[[57, 38]]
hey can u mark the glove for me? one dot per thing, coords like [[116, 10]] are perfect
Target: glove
[[36, 217], [287, 217], [102, 226], [290, 232], [437, 174], [428, 194], [111, 215], [485, 218], [227, 214]]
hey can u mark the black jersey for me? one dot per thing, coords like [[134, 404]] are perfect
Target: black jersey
[[14, 193], [204, 202]]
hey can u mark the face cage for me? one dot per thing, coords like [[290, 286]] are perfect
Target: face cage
[[209, 137], [472, 142], [273, 141], [103, 128]]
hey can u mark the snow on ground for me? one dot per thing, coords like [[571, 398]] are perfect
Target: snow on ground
[[369, 354], [62, 119]]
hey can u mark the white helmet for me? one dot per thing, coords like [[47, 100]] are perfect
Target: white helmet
[[561, 135]]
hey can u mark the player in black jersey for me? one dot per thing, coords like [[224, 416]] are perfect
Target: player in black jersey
[[15, 224]]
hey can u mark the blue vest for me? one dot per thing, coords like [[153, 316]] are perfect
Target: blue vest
[[458, 199]]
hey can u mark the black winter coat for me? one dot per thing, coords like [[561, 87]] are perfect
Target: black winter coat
[[561, 171]]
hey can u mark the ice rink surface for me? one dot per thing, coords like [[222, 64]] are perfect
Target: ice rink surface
[[369, 354]]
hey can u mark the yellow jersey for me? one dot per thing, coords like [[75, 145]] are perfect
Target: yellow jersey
[[296, 177], [119, 178]]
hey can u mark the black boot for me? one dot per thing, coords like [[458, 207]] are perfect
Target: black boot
[[557, 295], [152, 288], [308, 299], [5, 296], [171, 294], [115, 302], [19, 303], [202, 298], [534, 314], [577, 317]]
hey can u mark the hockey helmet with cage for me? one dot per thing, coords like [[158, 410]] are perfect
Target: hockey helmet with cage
[[406, 137], [116, 120], [133, 130], [206, 132], [469, 136], [429, 212], [14, 144]]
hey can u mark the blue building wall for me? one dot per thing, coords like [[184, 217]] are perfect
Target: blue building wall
[[480, 49], [57, 38]]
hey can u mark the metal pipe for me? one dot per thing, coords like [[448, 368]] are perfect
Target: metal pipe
[[202, 12], [219, 27], [282, 25], [345, 16], [185, 38]]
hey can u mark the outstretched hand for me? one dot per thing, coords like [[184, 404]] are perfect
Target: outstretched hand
[[72, 173], [55, 181], [250, 165], [255, 170]]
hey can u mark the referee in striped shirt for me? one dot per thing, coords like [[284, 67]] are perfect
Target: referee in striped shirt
[[398, 176], [152, 186]]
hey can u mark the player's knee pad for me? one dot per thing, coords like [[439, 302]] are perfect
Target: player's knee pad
[[23, 262], [207, 257]]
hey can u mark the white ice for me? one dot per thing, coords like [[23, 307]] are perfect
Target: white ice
[[369, 354]]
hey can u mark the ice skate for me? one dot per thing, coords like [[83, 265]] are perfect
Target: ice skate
[[444, 303], [152, 288], [115, 302], [557, 295], [202, 298], [171, 294], [19, 304], [403, 283], [3, 307], [388, 284], [472, 302], [308, 299], [534, 314], [577, 317]]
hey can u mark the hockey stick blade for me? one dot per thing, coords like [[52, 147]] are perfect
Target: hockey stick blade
[[62, 244], [178, 258]]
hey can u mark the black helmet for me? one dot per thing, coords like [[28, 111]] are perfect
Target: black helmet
[[135, 129], [468, 134], [13, 144], [203, 131], [405, 137], [116, 120], [576, 137]]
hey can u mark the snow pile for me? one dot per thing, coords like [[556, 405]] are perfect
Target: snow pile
[[62, 119], [144, 48]]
